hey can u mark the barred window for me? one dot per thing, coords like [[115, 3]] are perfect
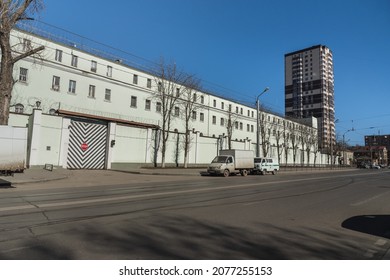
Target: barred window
[[107, 95], [23, 75]]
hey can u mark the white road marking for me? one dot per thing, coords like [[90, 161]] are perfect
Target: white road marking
[[369, 199]]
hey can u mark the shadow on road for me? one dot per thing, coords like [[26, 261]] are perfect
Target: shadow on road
[[180, 237], [5, 184], [378, 225]]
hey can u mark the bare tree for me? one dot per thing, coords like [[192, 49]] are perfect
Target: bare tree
[[168, 81], [286, 137], [312, 144], [230, 123], [294, 144], [11, 12], [279, 146], [190, 104], [266, 128], [303, 138]]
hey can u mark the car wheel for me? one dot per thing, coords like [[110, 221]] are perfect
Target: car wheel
[[244, 172], [226, 173]]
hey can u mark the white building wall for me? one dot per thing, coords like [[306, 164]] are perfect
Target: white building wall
[[132, 144]]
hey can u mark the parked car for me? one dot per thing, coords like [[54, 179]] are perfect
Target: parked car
[[266, 165]]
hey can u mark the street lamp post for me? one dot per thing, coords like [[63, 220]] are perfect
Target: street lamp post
[[258, 122]]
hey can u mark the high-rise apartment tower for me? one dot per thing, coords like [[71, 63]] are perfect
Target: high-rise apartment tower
[[309, 89]]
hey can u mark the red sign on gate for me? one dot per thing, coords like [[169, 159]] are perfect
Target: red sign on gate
[[84, 147]]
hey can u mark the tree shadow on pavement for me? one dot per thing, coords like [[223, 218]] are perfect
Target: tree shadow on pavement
[[180, 237], [163, 237], [378, 225]]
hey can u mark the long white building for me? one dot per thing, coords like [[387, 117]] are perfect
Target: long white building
[[86, 111]]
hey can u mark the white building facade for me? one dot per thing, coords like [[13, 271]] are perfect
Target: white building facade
[[85, 111]]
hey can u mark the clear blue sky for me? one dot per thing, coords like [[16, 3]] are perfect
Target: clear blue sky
[[238, 46]]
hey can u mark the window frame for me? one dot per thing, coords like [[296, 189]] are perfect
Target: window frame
[[158, 107], [109, 71], [58, 55], [107, 93], [133, 101], [74, 60], [93, 66], [148, 104], [23, 76], [92, 91], [19, 108], [72, 86], [201, 117], [54, 85]]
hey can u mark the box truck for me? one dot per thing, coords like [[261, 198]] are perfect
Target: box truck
[[232, 162]]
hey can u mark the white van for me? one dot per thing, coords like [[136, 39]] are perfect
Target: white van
[[266, 165]]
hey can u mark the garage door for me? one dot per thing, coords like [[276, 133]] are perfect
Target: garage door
[[87, 145]]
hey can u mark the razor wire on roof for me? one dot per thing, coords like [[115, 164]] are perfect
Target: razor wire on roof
[[71, 39], [87, 45]]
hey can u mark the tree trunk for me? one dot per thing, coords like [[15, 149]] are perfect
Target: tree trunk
[[186, 147], [6, 81]]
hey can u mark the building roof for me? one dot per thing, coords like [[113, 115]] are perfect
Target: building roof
[[101, 118], [307, 49]]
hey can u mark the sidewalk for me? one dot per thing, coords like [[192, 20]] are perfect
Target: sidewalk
[[42, 175]]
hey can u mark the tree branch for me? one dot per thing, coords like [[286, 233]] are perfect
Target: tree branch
[[20, 11], [29, 53]]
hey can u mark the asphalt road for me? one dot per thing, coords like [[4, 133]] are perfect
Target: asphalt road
[[332, 215]]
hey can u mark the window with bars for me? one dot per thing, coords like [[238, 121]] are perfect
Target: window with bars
[[133, 102], [23, 75], [72, 86], [158, 107], [74, 60], [147, 104], [91, 92], [19, 108], [58, 56], [109, 71], [55, 83], [107, 95], [93, 66]]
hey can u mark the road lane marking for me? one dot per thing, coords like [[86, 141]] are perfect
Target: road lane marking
[[369, 199], [150, 195]]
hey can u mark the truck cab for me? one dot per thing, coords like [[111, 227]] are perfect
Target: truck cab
[[221, 164], [265, 165]]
